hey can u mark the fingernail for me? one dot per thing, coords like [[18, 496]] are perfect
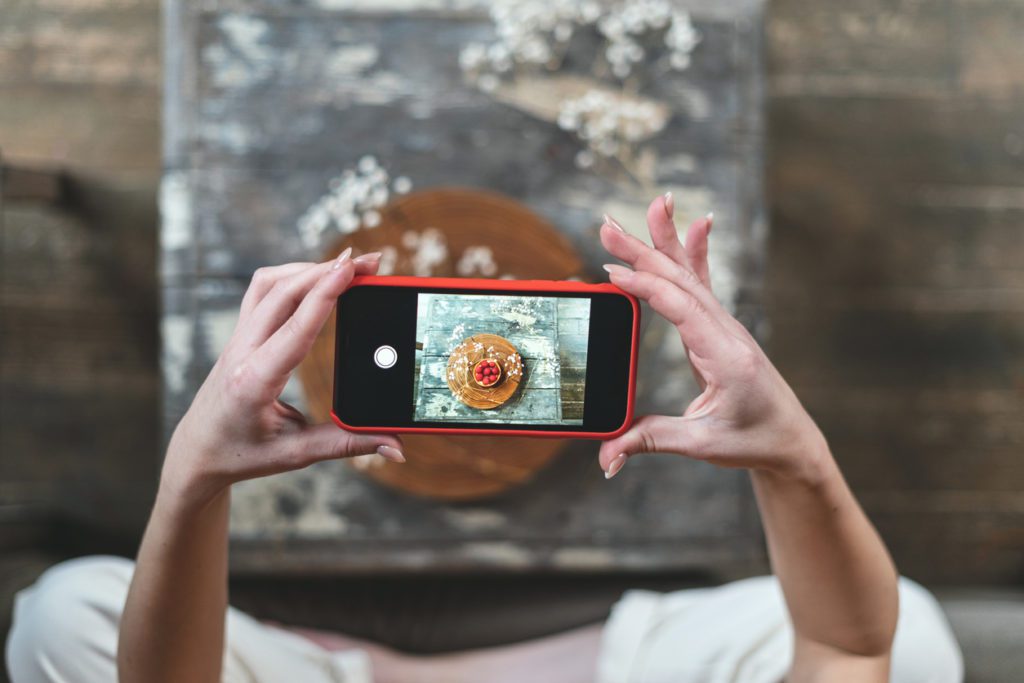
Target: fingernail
[[342, 257], [616, 270], [612, 222], [710, 218], [615, 465], [670, 204], [363, 258], [391, 453]]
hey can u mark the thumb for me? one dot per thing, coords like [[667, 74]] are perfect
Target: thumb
[[329, 442], [649, 434]]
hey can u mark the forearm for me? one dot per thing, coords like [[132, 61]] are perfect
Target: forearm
[[173, 623], [839, 583], [236, 429], [838, 579]]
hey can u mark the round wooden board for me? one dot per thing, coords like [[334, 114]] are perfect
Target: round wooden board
[[524, 246], [471, 351]]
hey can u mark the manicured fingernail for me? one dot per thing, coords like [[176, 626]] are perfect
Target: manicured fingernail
[[615, 465], [670, 204], [391, 453], [616, 270], [612, 222], [365, 258], [342, 257]]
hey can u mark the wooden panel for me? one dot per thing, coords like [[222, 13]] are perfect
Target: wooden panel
[[912, 142], [952, 538], [79, 399], [896, 47], [80, 83], [896, 292], [989, 49], [88, 128], [100, 42], [79, 89], [79, 390]]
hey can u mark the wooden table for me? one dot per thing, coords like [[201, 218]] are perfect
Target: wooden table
[[267, 102]]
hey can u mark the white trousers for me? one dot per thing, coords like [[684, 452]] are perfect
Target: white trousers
[[65, 631]]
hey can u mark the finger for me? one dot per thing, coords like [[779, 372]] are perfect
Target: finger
[[263, 280], [288, 345], [700, 332], [287, 294], [282, 300], [697, 249], [629, 249], [643, 258], [329, 442], [663, 231], [649, 434]]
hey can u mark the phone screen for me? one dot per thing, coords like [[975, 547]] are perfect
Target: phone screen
[[411, 357]]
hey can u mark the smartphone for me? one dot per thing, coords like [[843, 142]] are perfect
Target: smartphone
[[466, 356]]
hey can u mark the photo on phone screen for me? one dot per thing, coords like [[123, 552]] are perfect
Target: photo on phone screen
[[500, 359], [433, 355]]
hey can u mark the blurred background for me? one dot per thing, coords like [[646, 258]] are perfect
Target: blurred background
[[888, 289]]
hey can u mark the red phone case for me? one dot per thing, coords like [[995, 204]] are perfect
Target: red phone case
[[509, 286]]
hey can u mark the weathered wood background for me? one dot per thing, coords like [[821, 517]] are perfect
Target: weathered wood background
[[894, 286], [79, 326], [265, 107]]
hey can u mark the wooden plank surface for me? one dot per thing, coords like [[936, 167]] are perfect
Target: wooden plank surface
[[544, 332], [269, 105], [79, 383], [896, 291]]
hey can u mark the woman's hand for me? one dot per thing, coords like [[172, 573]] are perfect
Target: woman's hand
[[237, 428], [746, 416]]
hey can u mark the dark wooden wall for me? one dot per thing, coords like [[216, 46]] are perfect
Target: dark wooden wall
[[80, 91], [895, 293], [896, 286]]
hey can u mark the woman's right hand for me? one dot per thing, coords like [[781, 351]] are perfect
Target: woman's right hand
[[746, 415], [237, 427]]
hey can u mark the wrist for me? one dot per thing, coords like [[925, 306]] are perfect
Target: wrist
[[185, 483], [186, 494], [807, 460]]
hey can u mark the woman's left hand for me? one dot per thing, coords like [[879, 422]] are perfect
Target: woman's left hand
[[746, 414]]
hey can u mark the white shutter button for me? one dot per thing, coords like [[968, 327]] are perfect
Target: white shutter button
[[385, 356]]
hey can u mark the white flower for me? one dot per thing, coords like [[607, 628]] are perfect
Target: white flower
[[607, 123], [367, 164], [353, 200], [477, 260], [402, 184], [429, 250]]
